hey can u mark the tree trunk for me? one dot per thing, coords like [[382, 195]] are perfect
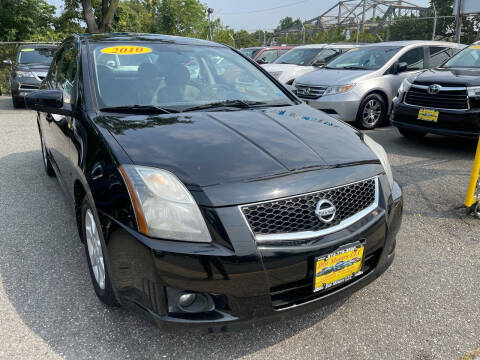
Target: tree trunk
[[89, 16], [108, 11]]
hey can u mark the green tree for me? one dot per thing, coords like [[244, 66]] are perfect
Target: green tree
[[26, 20]]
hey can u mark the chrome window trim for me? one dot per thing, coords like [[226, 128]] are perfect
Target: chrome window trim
[[305, 235]]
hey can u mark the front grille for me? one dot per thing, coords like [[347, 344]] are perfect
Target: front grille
[[309, 92], [28, 87], [445, 99], [297, 213]]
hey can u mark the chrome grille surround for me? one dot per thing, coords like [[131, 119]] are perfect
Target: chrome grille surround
[[300, 219], [448, 98], [309, 92]]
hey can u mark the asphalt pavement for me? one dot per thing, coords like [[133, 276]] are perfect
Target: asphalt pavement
[[426, 306]]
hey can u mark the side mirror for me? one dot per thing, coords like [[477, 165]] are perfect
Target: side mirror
[[8, 62], [261, 61], [318, 63], [49, 101], [400, 67]]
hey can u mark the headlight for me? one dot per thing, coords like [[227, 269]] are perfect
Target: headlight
[[474, 92], [382, 156], [404, 86], [164, 207], [24, 74], [276, 74], [332, 90]]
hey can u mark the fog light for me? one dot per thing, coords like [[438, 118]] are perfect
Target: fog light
[[185, 300]]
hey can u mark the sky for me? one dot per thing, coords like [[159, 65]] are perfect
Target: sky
[[252, 15]]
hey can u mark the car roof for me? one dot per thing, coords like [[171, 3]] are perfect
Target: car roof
[[279, 47], [343, 45], [144, 37], [311, 46], [404, 43]]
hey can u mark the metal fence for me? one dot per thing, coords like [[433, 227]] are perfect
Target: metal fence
[[8, 51]]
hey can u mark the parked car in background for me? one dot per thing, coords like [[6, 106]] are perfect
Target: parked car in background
[[444, 100], [360, 84], [28, 70], [304, 59], [176, 169], [266, 55]]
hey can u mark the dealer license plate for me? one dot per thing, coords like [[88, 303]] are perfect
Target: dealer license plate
[[338, 267], [428, 115]]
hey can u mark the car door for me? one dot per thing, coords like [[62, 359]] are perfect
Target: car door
[[415, 60], [59, 125]]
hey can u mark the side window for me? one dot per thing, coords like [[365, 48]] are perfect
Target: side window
[[52, 75], [327, 55], [438, 55], [268, 56], [283, 51], [66, 72], [414, 59]]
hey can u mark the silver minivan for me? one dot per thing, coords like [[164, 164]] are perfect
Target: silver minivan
[[360, 84]]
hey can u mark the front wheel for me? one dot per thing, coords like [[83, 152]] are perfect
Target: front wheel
[[372, 112], [411, 134], [96, 250], [17, 102]]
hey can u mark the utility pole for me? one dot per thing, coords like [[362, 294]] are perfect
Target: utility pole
[[458, 20], [209, 12], [434, 20], [264, 38], [303, 30], [363, 15]]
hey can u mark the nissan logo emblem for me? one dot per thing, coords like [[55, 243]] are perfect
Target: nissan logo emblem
[[434, 89], [325, 211]]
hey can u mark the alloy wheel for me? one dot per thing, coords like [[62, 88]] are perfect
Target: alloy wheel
[[372, 112], [95, 251]]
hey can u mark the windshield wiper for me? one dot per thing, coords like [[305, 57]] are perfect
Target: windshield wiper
[[353, 68], [151, 109], [242, 104]]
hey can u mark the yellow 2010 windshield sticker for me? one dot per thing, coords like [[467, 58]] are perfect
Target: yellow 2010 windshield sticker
[[474, 46], [28, 49], [126, 50], [353, 49]]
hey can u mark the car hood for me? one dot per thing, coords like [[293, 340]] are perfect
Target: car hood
[[39, 69], [212, 148], [288, 71], [333, 77], [449, 77]]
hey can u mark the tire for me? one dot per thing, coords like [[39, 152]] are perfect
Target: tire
[[371, 112], [95, 249], [18, 102], [411, 134], [46, 161]]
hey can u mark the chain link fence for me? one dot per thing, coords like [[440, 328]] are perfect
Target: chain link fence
[[8, 51]]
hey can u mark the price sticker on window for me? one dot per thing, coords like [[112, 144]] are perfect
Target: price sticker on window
[[126, 50]]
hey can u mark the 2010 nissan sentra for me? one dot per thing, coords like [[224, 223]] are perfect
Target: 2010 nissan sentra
[[204, 191]]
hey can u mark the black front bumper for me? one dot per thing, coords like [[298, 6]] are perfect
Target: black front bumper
[[248, 282], [460, 123]]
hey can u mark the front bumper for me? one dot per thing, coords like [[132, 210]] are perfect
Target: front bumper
[[249, 282], [342, 106], [24, 86], [459, 123]]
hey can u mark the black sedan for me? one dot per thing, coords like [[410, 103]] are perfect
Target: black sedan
[[195, 176]]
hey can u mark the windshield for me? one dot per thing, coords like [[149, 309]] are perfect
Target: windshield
[[250, 52], [177, 76], [364, 58], [35, 55], [468, 58], [298, 56]]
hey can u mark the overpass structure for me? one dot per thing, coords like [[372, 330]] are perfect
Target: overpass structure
[[364, 15]]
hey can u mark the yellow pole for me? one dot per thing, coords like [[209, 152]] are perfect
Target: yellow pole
[[470, 199]]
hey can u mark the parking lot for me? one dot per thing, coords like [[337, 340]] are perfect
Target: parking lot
[[424, 307]]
